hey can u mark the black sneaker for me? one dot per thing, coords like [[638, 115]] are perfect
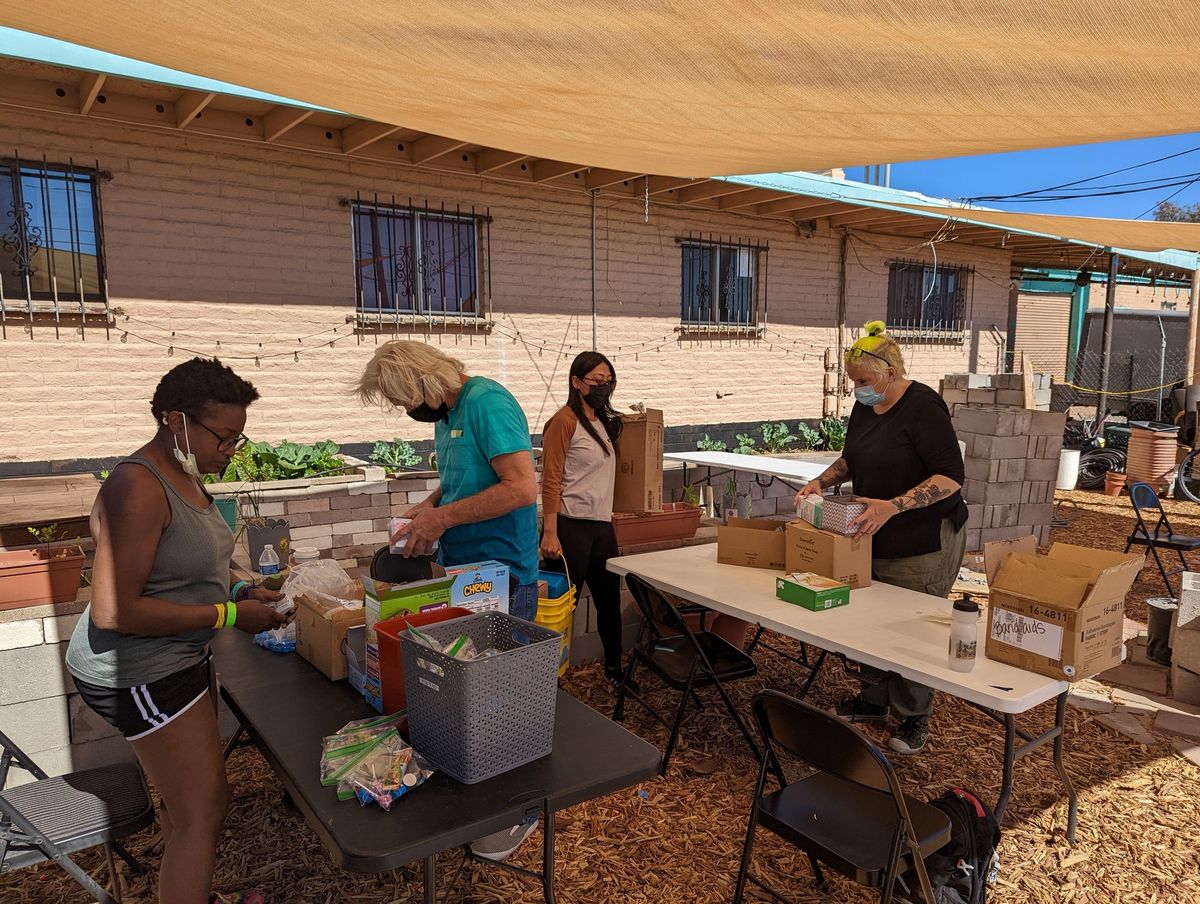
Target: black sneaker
[[856, 709], [911, 736]]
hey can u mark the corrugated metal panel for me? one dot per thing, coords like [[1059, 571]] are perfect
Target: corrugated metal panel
[[1043, 331]]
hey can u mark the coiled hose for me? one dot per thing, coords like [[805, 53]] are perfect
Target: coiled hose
[[1095, 463]]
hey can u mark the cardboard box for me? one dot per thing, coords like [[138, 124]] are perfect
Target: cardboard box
[[828, 554], [639, 485], [1060, 615], [752, 543], [321, 626], [478, 586], [812, 591]]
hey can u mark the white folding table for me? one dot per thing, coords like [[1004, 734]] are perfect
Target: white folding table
[[884, 626], [791, 471]]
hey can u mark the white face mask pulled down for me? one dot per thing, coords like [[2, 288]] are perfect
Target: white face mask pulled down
[[188, 461]]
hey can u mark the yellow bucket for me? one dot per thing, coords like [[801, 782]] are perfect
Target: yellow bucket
[[557, 610]]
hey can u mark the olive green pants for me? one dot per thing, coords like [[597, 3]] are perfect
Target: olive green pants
[[933, 573]]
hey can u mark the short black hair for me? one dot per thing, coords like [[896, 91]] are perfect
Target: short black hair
[[196, 384]]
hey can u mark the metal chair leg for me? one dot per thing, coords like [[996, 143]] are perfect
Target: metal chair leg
[[737, 718], [747, 847], [683, 701]]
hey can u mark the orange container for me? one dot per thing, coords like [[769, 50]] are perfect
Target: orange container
[[391, 663]]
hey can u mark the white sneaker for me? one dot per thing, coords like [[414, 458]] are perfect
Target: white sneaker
[[499, 845]]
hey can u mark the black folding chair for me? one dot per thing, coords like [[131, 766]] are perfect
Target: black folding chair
[[850, 815], [1143, 497], [52, 818], [393, 568], [683, 659]]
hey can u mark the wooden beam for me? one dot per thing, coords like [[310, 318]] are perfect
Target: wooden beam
[[283, 119], [707, 191], [359, 134], [489, 160], [190, 105], [747, 198], [663, 184], [798, 204], [433, 146], [866, 215], [545, 170], [89, 90], [602, 178]]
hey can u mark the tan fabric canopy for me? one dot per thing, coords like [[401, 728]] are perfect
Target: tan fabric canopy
[[1139, 235], [688, 88]]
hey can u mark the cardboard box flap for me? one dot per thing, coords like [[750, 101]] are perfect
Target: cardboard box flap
[[1043, 579], [1113, 573], [328, 607], [995, 553]]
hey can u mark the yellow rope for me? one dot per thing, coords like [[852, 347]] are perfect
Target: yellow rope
[[1128, 392]]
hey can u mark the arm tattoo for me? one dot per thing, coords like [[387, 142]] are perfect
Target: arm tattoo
[[833, 475], [920, 496]]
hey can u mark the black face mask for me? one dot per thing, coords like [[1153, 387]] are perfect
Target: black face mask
[[597, 397], [427, 415]]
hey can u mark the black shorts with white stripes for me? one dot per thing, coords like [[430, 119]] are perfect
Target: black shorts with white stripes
[[143, 709]]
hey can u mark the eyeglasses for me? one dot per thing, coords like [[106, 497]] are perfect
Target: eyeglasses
[[591, 381], [225, 444], [853, 354]]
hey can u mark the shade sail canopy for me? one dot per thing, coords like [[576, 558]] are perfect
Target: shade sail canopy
[[688, 88]]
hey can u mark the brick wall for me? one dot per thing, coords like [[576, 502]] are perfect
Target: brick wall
[[220, 241]]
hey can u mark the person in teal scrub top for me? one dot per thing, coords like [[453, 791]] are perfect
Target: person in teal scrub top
[[486, 505]]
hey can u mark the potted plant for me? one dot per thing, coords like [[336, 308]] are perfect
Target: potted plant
[[47, 574], [1114, 483], [396, 456], [729, 497], [676, 521]]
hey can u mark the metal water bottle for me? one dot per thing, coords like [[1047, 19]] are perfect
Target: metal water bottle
[[964, 635]]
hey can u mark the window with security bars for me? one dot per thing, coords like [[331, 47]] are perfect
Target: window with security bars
[[929, 300], [51, 239], [720, 285], [419, 262]]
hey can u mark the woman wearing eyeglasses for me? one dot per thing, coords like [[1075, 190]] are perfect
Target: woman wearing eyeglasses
[[161, 586], [902, 458], [579, 474]]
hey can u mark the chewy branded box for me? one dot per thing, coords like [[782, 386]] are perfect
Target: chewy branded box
[[640, 465], [812, 591], [751, 542], [479, 586], [1061, 614], [827, 554]]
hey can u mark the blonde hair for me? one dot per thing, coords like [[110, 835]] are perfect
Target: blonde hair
[[881, 350], [404, 374]]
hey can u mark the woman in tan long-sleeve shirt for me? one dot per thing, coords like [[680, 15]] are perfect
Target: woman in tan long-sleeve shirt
[[579, 472]]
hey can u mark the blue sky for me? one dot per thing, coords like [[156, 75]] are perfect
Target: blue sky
[[997, 174]]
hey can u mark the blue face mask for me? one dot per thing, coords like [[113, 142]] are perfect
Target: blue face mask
[[869, 395]]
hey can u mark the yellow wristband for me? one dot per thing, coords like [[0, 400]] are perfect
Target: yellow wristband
[[230, 614], [220, 622]]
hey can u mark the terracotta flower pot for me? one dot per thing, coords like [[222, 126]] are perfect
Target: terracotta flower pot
[[1114, 483], [30, 577], [676, 521]]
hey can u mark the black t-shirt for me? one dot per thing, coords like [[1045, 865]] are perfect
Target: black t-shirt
[[889, 454]]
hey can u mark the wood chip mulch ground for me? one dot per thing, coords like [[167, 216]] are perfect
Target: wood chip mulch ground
[[677, 839]]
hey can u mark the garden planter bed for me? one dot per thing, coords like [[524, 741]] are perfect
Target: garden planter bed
[[677, 521], [30, 577]]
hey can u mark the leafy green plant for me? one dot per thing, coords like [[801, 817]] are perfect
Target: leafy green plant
[[833, 434], [776, 437], [261, 462], [48, 535], [745, 444], [807, 437], [691, 496], [711, 445], [397, 454]]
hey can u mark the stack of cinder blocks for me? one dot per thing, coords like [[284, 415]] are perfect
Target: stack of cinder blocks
[[1006, 390], [1185, 642], [1011, 468]]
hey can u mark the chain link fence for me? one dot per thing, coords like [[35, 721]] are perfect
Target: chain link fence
[[1140, 382]]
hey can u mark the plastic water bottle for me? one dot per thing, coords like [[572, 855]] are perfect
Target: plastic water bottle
[[964, 635], [268, 562]]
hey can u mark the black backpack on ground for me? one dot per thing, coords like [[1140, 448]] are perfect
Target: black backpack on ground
[[959, 870]]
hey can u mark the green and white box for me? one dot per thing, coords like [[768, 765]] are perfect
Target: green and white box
[[812, 591]]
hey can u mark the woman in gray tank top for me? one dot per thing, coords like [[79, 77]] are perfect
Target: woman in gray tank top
[[161, 586]]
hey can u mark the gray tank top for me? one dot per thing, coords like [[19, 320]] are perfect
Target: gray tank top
[[191, 566]]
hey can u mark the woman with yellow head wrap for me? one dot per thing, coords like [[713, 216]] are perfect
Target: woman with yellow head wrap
[[902, 459]]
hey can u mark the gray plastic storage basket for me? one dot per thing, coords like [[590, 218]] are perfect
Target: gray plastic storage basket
[[475, 720]]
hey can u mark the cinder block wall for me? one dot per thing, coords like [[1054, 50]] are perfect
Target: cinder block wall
[[215, 240]]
